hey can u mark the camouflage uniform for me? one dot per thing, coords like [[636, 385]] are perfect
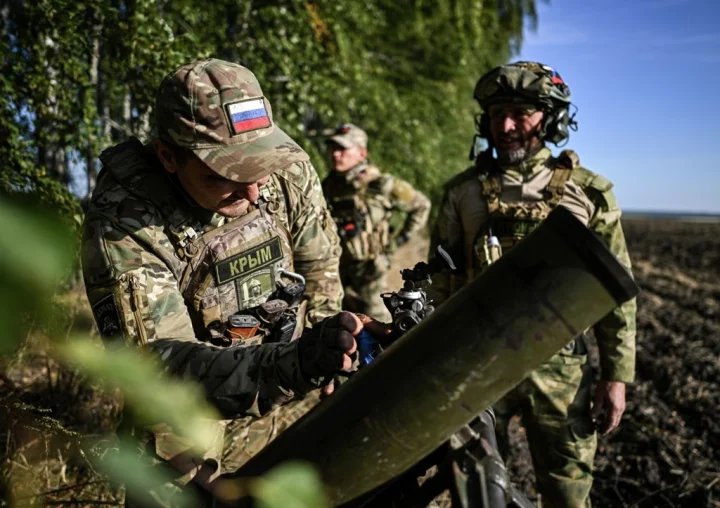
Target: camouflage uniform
[[163, 273], [362, 201], [507, 202]]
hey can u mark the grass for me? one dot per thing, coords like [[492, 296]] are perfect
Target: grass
[[53, 421]]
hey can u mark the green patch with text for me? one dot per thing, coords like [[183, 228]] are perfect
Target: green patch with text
[[248, 261]]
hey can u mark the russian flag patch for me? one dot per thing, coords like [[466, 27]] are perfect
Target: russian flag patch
[[248, 115]]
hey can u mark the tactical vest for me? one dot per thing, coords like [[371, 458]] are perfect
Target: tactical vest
[[510, 222], [362, 213], [238, 273]]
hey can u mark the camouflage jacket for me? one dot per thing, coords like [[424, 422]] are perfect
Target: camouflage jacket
[[146, 250], [362, 201], [525, 190]]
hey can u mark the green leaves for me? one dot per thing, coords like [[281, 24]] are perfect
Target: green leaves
[[289, 485], [154, 397], [36, 250], [36, 253], [83, 75]]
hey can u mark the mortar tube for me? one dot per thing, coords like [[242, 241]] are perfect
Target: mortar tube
[[558, 281]]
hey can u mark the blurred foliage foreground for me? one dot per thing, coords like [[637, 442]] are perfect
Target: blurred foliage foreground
[[55, 377]]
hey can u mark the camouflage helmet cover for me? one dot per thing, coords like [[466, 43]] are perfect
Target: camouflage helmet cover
[[523, 82], [217, 109]]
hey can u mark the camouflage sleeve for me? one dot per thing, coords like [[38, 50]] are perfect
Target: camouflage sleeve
[[615, 333], [316, 248], [447, 232], [405, 198], [135, 297]]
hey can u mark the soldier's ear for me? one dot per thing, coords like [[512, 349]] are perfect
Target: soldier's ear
[[363, 152], [166, 155]]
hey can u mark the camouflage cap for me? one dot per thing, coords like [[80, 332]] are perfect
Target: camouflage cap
[[523, 82], [217, 109], [348, 135]]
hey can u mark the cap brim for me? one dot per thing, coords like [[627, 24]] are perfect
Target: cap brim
[[251, 161], [341, 140]]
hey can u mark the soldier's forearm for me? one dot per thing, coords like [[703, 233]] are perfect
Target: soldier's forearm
[[422, 213], [237, 380], [409, 227], [414, 222], [323, 288], [615, 335]]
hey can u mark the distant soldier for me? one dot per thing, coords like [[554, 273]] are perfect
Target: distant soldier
[[489, 208], [362, 200], [213, 247]]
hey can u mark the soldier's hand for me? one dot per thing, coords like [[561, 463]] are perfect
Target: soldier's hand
[[326, 348], [609, 405]]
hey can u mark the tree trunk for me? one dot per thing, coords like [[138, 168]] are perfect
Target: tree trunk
[[144, 129], [92, 95], [127, 110], [4, 20], [51, 155]]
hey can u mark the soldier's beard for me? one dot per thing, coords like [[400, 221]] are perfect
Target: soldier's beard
[[234, 209], [512, 156], [528, 148]]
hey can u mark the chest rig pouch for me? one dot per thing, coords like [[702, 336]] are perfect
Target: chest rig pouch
[[510, 222], [239, 283], [362, 214]]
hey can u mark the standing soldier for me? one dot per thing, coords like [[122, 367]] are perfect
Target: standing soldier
[[489, 208], [362, 200], [213, 247]]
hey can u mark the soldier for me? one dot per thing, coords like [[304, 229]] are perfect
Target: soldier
[[198, 247], [362, 200], [489, 208]]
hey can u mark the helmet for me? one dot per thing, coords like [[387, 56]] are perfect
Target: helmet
[[528, 83]]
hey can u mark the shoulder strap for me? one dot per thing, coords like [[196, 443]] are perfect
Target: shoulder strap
[[486, 171], [566, 162], [491, 189], [556, 187], [272, 199], [568, 159]]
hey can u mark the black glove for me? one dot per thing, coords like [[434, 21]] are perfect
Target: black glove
[[326, 348]]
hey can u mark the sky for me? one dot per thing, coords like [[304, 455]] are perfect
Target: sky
[[645, 76]]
